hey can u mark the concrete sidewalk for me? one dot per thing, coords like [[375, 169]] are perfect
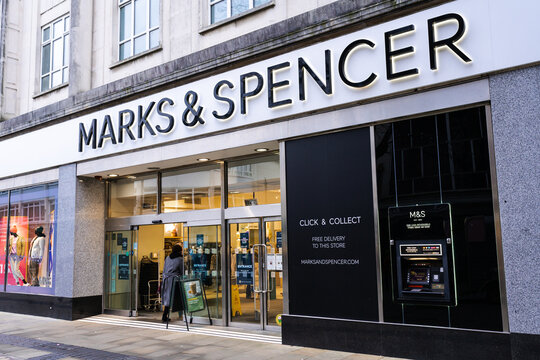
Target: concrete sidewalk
[[111, 337]]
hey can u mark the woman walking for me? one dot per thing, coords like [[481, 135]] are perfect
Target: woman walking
[[174, 266]]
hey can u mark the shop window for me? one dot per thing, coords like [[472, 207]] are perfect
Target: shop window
[[133, 196], [55, 54], [224, 9], [254, 182], [138, 27], [443, 159], [191, 189], [31, 235]]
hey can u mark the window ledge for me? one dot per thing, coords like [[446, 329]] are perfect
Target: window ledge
[[134, 57], [226, 21], [57, 87]]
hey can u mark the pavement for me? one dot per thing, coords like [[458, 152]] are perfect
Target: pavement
[[112, 337]]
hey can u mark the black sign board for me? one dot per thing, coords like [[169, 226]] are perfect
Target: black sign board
[[421, 222], [330, 226], [123, 267]]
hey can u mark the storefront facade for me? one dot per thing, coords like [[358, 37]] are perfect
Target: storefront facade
[[375, 185]]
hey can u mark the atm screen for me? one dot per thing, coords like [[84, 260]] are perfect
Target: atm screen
[[418, 276]]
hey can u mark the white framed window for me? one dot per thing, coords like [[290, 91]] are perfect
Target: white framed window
[[138, 27], [54, 53], [223, 9]]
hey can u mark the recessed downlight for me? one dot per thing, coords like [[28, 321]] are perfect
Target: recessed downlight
[[131, 177], [113, 175], [261, 149], [203, 159]]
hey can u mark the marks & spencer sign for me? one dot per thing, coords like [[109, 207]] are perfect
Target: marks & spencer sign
[[323, 75]]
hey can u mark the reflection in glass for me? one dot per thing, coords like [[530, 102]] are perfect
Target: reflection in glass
[[140, 16], [66, 51], [154, 13], [129, 197], [58, 28], [45, 59], [254, 181], [56, 78], [125, 22], [260, 2], [218, 11], [191, 189], [125, 50], [239, 6], [154, 38], [140, 45], [46, 33]]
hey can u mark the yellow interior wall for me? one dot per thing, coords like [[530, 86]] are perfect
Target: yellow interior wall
[[151, 240]]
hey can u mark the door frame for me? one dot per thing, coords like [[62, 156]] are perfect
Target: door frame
[[227, 272]]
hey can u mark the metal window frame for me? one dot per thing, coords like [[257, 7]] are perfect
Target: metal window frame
[[50, 42], [132, 36]]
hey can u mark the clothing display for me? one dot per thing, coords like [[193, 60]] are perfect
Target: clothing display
[[16, 254], [37, 248]]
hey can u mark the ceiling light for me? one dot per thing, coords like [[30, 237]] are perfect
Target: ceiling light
[[261, 149], [131, 177], [203, 159], [113, 175]]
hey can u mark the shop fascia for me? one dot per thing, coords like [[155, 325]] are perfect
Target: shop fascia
[[130, 124]]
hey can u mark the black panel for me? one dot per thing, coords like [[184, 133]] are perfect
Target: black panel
[[406, 341], [51, 306], [330, 227]]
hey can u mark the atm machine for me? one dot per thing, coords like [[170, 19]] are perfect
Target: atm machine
[[422, 251]]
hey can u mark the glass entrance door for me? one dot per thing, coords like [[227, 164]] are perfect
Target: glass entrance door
[[244, 239], [121, 272], [274, 271], [256, 292]]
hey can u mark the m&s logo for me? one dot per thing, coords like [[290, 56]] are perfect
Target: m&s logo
[[417, 214]]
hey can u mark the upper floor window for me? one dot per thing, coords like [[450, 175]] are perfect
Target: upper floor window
[[55, 53], [223, 9], [139, 27]]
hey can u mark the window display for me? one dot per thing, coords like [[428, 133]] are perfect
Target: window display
[[28, 255]]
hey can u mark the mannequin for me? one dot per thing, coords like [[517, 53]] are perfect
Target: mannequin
[[37, 247], [16, 254]]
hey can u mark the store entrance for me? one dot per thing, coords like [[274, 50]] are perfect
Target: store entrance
[[135, 261], [256, 273]]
